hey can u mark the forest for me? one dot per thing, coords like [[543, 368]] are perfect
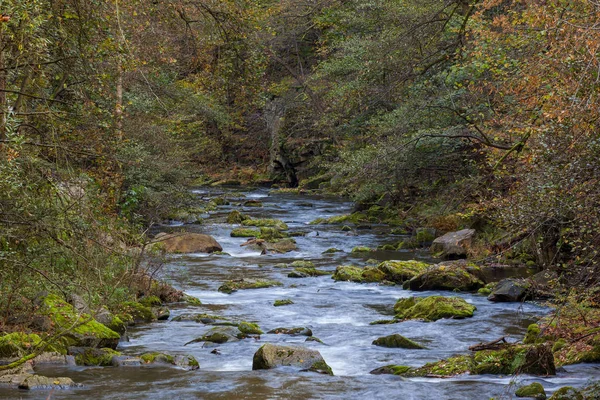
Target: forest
[[429, 117]]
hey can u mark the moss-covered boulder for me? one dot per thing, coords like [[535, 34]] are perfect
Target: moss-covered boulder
[[401, 271], [187, 362], [332, 250], [535, 391], [433, 308], [271, 356], [396, 341], [81, 329], [448, 276], [297, 331], [518, 359], [134, 313], [219, 335], [245, 232], [19, 344], [93, 357], [357, 274], [249, 328], [272, 223], [236, 217], [361, 249], [568, 393], [207, 319], [247, 283], [306, 272]]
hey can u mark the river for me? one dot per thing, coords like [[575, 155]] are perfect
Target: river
[[338, 313]]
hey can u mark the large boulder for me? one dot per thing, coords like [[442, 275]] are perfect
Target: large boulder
[[271, 356], [187, 242], [433, 308], [453, 245], [511, 289], [450, 276]]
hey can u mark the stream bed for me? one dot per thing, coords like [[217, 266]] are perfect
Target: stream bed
[[338, 313]]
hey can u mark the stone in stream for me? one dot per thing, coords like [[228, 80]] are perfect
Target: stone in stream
[[391, 271], [453, 245], [253, 203], [271, 356], [433, 308], [89, 356], [511, 290], [188, 242], [272, 223], [297, 331], [396, 341], [283, 302], [535, 391], [43, 382], [207, 319], [187, 362], [458, 275], [236, 217], [247, 283], [307, 272]]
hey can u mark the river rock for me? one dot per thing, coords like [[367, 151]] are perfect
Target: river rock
[[433, 308], [569, 393], [89, 356], [219, 335], [53, 358], [400, 271], [187, 242], [511, 289], [298, 331], [126, 361], [453, 244], [535, 391], [247, 283], [271, 356], [448, 276], [188, 362], [14, 376], [307, 272], [44, 382], [396, 341], [281, 246]]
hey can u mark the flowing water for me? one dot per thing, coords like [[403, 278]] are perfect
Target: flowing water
[[338, 313]]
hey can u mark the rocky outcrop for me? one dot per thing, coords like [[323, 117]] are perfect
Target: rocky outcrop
[[271, 356], [187, 242], [453, 245]]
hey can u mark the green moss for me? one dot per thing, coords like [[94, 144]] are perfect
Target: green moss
[[396, 341], [272, 223], [370, 274], [136, 312], [249, 328], [284, 302], [567, 393], [306, 272], [321, 367], [361, 249], [387, 247], [348, 273], [151, 358], [433, 308], [242, 284], [236, 217], [191, 300], [424, 236], [484, 291], [453, 276], [401, 271], [340, 219], [384, 322], [559, 345], [535, 390], [96, 357], [243, 232], [18, 344], [533, 334], [253, 203], [150, 301], [81, 328], [332, 250], [302, 264], [220, 253]]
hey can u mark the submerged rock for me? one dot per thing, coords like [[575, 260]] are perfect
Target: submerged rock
[[433, 308], [247, 283], [298, 331], [284, 302], [448, 276], [306, 272], [535, 391], [187, 242], [396, 341], [253, 203], [453, 245], [272, 223], [271, 356]]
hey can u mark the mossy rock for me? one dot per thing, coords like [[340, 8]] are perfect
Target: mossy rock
[[535, 390], [236, 217], [396, 341], [245, 232], [206, 319], [332, 250], [271, 356], [361, 249], [150, 301], [81, 329], [220, 253], [271, 223], [284, 302], [249, 328], [281, 246], [391, 370], [18, 344], [93, 357], [253, 203], [306, 272], [357, 274], [271, 234], [387, 247], [575, 354], [297, 331], [187, 362], [136, 313], [518, 359], [568, 393], [433, 308], [401, 271], [191, 300], [302, 264], [533, 334], [219, 335], [458, 276], [244, 284]]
